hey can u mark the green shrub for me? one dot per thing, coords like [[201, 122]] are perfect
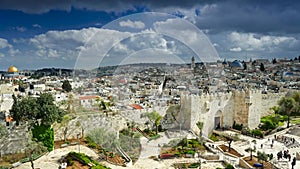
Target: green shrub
[[82, 157], [194, 165], [2, 167], [194, 143], [268, 125], [90, 142], [229, 166], [237, 126], [257, 132], [213, 137], [44, 134], [190, 152], [177, 154]]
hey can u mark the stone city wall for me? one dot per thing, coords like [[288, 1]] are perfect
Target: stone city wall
[[243, 107]]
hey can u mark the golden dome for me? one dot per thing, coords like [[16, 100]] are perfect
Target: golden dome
[[12, 69]]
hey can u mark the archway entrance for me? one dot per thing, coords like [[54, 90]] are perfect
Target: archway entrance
[[218, 120]]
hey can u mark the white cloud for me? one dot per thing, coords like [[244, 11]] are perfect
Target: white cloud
[[20, 28], [189, 35], [132, 24], [36, 26], [55, 44], [8, 48], [256, 42], [4, 43], [236, 49]]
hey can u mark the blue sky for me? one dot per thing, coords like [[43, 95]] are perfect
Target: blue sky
[[54, 34]]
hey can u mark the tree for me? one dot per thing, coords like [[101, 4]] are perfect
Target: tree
[[106, 139], [200, 127], [66, 86], [230, 139], [32, 148], [262, 156], [287, 105], [155, 119], [40, 111], [48, 112], [262, 67], [252, 149], [44, 134], [64, 123], [25, 109], [296, 97]]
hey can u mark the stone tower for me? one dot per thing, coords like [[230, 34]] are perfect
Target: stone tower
[[193, 65]]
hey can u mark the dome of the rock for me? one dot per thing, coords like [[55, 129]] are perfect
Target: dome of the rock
[[12, 69]]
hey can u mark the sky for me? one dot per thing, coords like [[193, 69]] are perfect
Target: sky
[[88, 33]]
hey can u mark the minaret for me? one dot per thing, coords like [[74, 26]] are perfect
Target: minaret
[[193, 63]]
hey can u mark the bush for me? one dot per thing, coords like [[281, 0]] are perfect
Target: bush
[[84, 159], [177, 154], [44, 134], [268, 125], [154, 137], [190, 152], [194, 165], [194, 143], [213, 137], [257, 132], [90, 142], [229, 166], [237, 126], [1, 167]]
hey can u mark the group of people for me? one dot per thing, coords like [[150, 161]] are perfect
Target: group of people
[[286, 140], [285, 155]]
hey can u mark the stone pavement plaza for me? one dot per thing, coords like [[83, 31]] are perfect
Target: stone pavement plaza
[[151, 148]]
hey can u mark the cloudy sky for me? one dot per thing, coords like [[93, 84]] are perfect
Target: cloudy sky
[[64, 34]]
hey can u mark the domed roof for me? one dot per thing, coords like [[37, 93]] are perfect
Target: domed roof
[[236, 64], [12, 69]]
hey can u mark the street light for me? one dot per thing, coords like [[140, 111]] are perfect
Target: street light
[[78, 136]]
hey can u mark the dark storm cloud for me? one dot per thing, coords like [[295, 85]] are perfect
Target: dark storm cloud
[[32, 6], [259, 16], [251, 16]]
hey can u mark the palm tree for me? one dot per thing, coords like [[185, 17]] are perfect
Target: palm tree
[[287, 106]]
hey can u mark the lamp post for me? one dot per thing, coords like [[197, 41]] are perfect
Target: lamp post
[[78, 137]]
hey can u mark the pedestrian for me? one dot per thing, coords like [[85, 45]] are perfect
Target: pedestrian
[[293, 162], [271, 145], [261, 146]]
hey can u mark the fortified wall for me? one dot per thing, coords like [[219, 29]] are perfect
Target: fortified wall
[[223, 109]]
